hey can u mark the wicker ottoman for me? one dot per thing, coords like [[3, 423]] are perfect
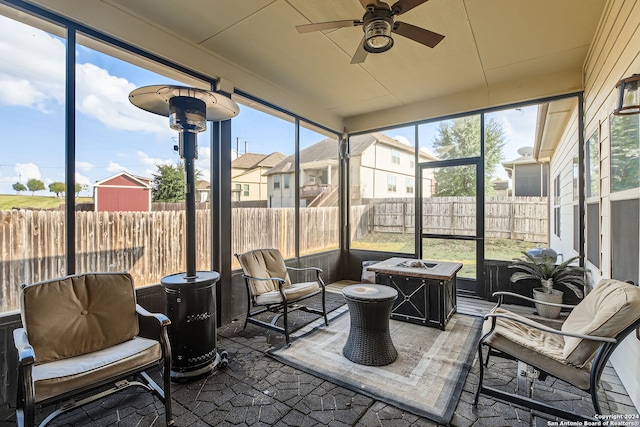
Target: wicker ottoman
[[369, 341]]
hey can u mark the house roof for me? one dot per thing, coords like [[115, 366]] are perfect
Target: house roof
[[495, 52], [255, 160], [138, 180], [327, 151], [203, 185]]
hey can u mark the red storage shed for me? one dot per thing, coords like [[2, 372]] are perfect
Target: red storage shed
[[122, 192]]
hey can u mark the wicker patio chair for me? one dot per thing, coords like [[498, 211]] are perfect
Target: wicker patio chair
[[269, 287]]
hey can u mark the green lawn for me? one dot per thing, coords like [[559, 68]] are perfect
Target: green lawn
[[10, 201], [445, 250]]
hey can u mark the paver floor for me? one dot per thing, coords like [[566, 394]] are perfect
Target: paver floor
[[256, 390]]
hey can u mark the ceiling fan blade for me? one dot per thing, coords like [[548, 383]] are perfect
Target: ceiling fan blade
[[402, 6], [360, 55], [330, 25], [426, 37]]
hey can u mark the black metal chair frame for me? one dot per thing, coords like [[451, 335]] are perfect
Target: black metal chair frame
[[25, 402], [604, 352], [283, 308]]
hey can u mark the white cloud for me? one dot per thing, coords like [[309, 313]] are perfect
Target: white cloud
[[106, 98], [32, 74], [203, 161], [34, 80], [144, 159], [27, 171], [115, 168], [84, 166], [82, 180]]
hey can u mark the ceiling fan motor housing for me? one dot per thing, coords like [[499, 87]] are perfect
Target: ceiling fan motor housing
[[378, 24]]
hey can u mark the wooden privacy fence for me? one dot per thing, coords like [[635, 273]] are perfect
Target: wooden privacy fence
[[150, 245], [518, 218]]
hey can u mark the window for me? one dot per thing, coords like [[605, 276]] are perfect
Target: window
[[276, 182], [246, 190], [625, 158], [556, 206], [411, 163], [576, 171], [32, 102], [593, 166], [319, 210], [374, 194], [391, 183], [395, 157], [409, 182], [286, 181]]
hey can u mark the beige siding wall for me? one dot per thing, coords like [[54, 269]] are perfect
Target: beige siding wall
[[562, 165], [256, 181], [615, 54]]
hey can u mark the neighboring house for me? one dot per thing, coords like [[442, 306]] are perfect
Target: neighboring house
[[529, 176], [248, 180], [501, 188], [381, 167], [122, 192], [203, 191]]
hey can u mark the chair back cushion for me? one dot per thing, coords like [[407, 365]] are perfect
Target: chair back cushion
[[79, 314], [605, 312], [264, 263]]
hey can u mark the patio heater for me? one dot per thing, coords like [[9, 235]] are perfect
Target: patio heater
[[190, 296]]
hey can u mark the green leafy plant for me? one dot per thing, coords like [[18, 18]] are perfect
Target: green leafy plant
[[549, 274]]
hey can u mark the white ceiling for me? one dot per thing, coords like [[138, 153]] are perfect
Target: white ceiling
[[494, 52]]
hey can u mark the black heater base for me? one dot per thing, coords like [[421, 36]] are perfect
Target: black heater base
[[191, 307]]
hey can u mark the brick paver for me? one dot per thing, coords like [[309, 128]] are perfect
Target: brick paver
[[256, 390]]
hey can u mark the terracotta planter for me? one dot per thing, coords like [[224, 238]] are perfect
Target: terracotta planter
[[545, 310]]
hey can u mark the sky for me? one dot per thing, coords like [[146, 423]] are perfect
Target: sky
[[112, 135]]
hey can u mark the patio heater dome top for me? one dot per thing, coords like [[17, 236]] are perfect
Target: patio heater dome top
[[156, 99]]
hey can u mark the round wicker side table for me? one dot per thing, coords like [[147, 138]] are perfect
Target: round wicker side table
[[369, 342]]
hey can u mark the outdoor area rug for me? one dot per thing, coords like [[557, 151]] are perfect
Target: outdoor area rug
[[426, 378]]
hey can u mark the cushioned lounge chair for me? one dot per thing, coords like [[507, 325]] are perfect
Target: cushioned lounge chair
[[80, 342], [576, 354], [269, 288]]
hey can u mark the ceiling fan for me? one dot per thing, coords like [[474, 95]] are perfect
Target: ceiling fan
[[378, 24]]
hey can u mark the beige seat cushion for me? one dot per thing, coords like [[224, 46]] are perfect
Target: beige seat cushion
[[540, 349], [293, 293], [264, 263], [60, 376], [605, 312], [79, 314]]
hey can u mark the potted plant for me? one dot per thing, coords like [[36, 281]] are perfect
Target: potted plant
[[549, 275]]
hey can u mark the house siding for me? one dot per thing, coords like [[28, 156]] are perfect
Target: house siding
[[122, 193], [615, 54]]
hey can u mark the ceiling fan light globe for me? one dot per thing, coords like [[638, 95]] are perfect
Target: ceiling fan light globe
[[377, 36]]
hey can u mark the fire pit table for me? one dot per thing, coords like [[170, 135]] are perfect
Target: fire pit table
[[427, 289], [369, 342]]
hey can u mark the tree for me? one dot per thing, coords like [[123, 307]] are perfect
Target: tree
[[168, 183], [57, 187], [35, 185], [80, 187], [460, 138], [18, 187]]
